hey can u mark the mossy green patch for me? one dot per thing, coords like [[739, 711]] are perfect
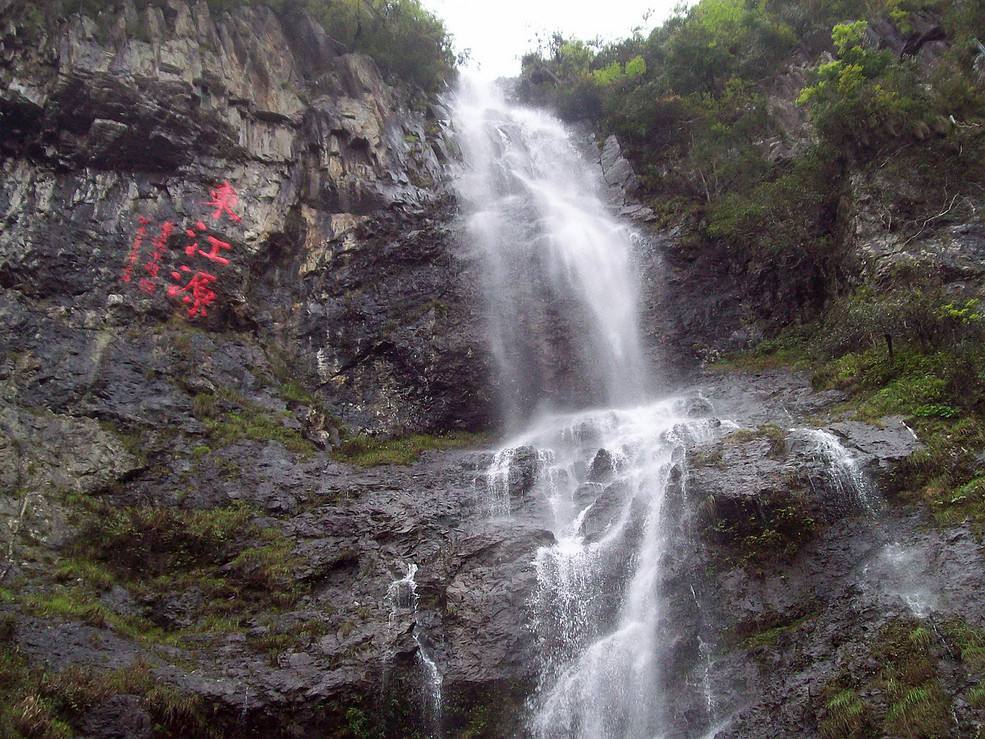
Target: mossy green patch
[[771, 635], [366, 451], [790, 349], [968, 641], [233, 566], [776, 436], [257, 425], [49, 705], [293, 391], [268, 568], [976, 696], [77, 604], [230, 417], [94, 574], [844, 716], [277, 640], [906, 697], [921, 711]]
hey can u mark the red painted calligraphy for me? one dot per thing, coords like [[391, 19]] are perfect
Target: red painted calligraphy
[[224, 199], [196, 293], [134, 254], [153, 266], [216, 244], [192, 286]]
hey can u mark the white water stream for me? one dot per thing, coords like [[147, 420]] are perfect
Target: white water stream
[[550, 244], [560, 276]]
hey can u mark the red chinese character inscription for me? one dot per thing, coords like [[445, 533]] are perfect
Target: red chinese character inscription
[[224, 199], [197, 293], [134, 254]]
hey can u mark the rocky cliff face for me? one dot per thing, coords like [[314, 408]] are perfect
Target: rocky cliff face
[[118, 125], [224, 242]]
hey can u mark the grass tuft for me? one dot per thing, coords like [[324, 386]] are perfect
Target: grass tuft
[[845, 716], [922, 711], [366, 451]]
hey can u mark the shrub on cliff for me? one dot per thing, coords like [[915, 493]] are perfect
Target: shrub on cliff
[[404, 38]]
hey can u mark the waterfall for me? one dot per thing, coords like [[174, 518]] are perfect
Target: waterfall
[[561, 287], [593, 457], [562, 293], [600, 463]]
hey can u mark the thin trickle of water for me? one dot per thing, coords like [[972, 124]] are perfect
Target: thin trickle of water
[[897, 569], [705, 649], [843, 470], [402, 598]]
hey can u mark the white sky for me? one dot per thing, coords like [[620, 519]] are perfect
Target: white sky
[[499, 32]]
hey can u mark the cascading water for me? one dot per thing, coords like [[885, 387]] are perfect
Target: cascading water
[[402, 600], [562, 306], [843, 471], [562, 298]]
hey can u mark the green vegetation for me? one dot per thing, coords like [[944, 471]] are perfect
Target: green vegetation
[[910, 350], [976, 697], [968, 642], [771, 635], [153, 547], [36, 704], [844, 716], [758, 532], [698, 116], [776, 436], [909, 694], [231, 417], [367, 451], [257, 425], [279, 639], [923, 711], [235, 567], [358, 723]]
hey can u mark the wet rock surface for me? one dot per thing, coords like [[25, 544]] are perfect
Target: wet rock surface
[[345, 304], [341, 258], [781, 615]]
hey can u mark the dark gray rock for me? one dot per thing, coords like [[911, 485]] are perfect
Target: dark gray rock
[[882, 446], [602, 467], [119, 717]]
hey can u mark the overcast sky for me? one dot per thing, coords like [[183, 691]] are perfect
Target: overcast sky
[[499, 31]]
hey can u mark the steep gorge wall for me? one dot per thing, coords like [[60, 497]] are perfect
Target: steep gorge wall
[[341, 264]]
